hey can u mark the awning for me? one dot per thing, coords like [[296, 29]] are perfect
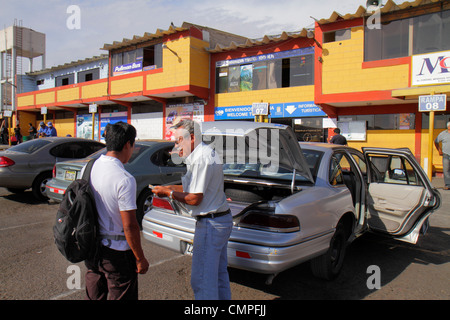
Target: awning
[[414, 92]]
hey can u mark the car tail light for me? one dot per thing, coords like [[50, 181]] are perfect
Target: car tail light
[[270, 222], [162, 203], [54, 171], [6, 162]]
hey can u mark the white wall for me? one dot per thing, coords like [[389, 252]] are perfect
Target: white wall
[[148, 125]]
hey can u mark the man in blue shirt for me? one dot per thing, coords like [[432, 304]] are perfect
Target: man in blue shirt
[[51, 131], [42, 129]]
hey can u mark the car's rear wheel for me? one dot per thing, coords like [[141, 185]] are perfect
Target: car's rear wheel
[[329, 265], [38, 187], [144, 205]]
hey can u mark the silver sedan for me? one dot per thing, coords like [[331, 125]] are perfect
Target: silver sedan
[[307, 203], [30, 164]]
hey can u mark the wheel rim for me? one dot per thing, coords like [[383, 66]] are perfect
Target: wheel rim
[[148, 204], [42, 186]]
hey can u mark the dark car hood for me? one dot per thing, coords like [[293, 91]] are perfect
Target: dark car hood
[[273, 143]]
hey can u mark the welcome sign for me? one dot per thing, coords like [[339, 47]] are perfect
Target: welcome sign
[[431, 68]]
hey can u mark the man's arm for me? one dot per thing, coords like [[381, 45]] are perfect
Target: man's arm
[[438, 146], [192, 199], [133, 236]]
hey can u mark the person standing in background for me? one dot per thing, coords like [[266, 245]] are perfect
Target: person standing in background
[[444, 151]]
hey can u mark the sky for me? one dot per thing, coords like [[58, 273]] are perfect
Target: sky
[[74, 33]]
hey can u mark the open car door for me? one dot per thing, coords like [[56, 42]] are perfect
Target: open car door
[[400, 195]]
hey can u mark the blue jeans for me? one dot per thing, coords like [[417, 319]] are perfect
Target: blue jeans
[[209, 275], [446, 168]]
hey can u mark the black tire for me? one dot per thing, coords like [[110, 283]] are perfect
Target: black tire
[[329, 265], [144, 205], [38, 186]]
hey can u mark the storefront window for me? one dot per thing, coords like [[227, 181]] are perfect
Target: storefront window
[[289, 70], [400, 121], [146, 58], [440, 120], [429, 34]]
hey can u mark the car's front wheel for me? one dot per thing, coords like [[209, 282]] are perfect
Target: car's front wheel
[[329, 265]]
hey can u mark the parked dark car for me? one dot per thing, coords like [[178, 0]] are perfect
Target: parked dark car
[[30, 164], [150, 164]]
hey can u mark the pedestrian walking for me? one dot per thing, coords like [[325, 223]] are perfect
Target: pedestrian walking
[[444, 151], [202, 192], [114, 273], [32, 131]]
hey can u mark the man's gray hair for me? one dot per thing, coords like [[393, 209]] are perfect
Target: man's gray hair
[[190, 126]]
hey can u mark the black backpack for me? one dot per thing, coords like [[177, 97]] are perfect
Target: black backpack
[[76, 228]]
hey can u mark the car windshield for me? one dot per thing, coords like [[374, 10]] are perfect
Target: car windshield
[[138, 149], [269, 171], [30, 146]]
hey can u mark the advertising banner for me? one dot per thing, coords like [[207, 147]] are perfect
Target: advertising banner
[[127, 68], [84, 126], [175, 113], [431, 68]]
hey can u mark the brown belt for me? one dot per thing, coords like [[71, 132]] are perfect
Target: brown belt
[[213, 215]]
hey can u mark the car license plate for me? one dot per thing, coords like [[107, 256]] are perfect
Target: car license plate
[[70, 175], [188, 248]]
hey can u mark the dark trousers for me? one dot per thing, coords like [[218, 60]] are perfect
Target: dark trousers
[[112, 276]]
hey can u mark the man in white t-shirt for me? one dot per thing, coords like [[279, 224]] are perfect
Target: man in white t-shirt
[[202, 192], [113, 274]]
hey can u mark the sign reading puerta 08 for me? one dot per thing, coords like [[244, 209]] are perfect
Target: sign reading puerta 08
[[431, 68]]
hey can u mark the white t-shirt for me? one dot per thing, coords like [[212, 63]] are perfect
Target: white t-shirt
[[114, 191], [205, 175]]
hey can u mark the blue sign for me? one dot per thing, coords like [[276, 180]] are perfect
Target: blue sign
[[127, 68], [277, 110], [437, 102]]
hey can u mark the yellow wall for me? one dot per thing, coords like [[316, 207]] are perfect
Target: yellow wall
[[46, 97], [343, 72], [124, 86], [199, 60], [64, 127], [186, 65], [25, 101], [68, 94], [387, 139], [94, 90]]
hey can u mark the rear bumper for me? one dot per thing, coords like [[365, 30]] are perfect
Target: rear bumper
[[54, 192], [264, 259]]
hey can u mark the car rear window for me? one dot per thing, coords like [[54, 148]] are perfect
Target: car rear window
[[30, 146]]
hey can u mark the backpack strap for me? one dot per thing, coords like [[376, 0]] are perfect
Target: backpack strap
[[87, 170]]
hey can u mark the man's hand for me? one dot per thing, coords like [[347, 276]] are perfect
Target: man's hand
[[161, 191], [142, 266]]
